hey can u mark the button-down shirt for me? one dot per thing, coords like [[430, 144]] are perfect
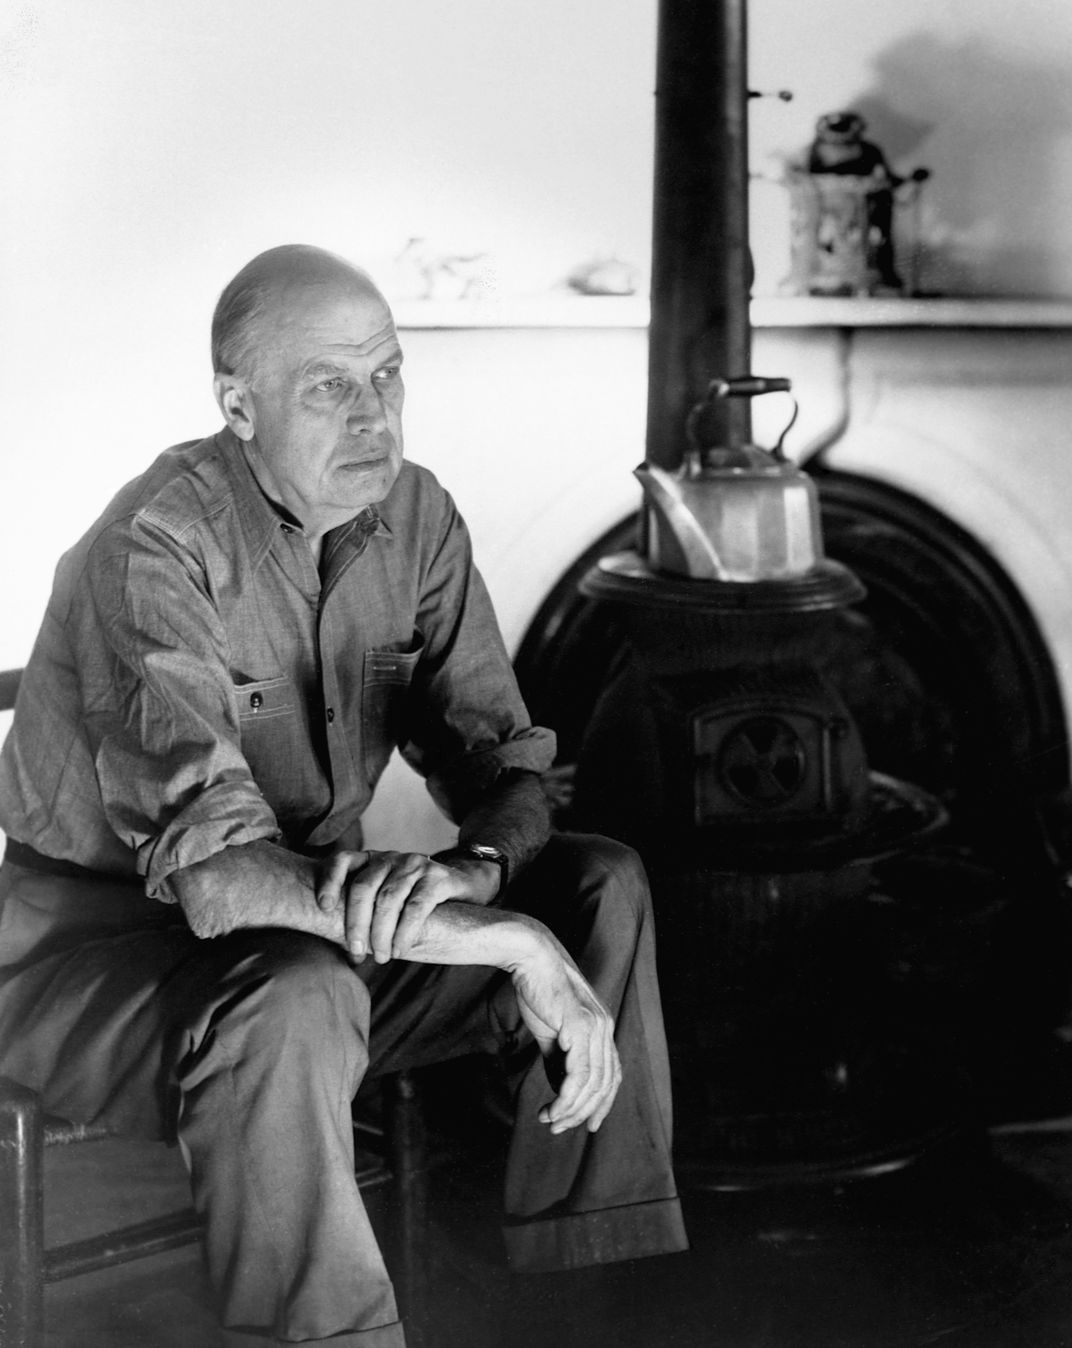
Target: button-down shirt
[[198, 682]]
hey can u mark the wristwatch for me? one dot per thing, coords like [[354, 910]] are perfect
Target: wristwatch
[[481, 852]]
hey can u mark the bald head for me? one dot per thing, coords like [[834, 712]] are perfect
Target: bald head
[[252, 299]]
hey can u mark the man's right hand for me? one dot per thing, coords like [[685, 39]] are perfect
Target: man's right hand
[[385, 897], [575, 1033]]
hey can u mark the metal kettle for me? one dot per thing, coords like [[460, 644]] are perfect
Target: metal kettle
[[737, 513]]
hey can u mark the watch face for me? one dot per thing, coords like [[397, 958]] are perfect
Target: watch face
[[488, 853]]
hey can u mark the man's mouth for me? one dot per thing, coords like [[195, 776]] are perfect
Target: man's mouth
[[369, 461]]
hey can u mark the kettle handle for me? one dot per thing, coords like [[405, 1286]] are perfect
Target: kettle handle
[[744, 386]]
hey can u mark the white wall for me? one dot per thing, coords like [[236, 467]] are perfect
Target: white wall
[[979, 91], [151, 146]]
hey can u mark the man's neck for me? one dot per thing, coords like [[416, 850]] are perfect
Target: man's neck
[[314, 533]]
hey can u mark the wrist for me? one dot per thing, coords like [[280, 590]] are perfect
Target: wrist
[[488, 865], [524, 943], [482, 878]]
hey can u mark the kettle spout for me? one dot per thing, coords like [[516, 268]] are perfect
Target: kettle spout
[[680, 543]]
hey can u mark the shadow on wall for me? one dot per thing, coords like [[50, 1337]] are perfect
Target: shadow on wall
[[990, 127]]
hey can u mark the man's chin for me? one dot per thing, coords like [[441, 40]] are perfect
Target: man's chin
[[365, 482]]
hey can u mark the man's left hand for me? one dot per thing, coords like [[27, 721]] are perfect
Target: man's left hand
[[388, 895]]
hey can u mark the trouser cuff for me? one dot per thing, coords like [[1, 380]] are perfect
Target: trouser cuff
[[576, 1239]]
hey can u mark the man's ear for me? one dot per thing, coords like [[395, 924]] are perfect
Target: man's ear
[[233, 400]]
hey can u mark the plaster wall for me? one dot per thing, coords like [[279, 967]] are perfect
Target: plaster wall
[[976, 90]]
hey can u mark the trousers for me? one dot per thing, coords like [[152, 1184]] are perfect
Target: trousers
[[248, 1049]]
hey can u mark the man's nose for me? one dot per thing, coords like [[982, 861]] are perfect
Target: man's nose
[[366, 412]]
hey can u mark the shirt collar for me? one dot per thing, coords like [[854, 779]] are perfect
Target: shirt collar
[[353, 536], [261, 519]]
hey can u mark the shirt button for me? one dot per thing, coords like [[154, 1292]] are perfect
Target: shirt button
[[330, 713], [256, 701]]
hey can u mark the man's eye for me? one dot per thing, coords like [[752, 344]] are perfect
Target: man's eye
[[386, 373], [329, 385]]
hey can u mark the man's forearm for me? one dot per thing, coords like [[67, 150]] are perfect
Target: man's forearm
[[513, 817], [257, 884], [263, 885]]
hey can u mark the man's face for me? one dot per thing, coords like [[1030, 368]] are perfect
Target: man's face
[[324, 400]]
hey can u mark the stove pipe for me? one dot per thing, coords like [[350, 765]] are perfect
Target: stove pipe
[[717, 508], [701, 268], [720, 748]]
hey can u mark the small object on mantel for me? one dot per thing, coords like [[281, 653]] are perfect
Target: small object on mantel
[[603, 276], [842, 202], [427, 274]]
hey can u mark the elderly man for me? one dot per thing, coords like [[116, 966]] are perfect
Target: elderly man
[[195, 942]]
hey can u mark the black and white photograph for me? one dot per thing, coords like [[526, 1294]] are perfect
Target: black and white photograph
[[536, 674]]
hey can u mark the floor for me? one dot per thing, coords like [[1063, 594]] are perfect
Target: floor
[[969, 1246]]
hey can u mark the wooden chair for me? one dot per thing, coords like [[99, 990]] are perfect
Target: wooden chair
[[394, 1152]]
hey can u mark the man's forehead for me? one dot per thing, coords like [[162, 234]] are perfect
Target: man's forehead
[[363, 346], [326, 346], [317, 325]]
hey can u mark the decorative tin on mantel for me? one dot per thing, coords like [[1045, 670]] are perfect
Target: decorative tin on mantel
[[842, 213]]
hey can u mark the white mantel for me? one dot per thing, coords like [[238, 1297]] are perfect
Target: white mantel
[[533, 412], [567, 310]]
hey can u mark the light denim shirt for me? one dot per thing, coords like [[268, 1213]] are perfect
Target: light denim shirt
[[197, 683]]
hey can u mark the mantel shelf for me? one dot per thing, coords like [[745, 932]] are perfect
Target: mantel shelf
[[614, 311], [961, 312]]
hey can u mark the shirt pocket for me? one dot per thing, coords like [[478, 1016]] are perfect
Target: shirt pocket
[[274, 739], [388, 676], [263, 700]]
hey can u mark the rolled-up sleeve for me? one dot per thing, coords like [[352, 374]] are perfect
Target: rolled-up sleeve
[[471, 724], [161, 714]]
